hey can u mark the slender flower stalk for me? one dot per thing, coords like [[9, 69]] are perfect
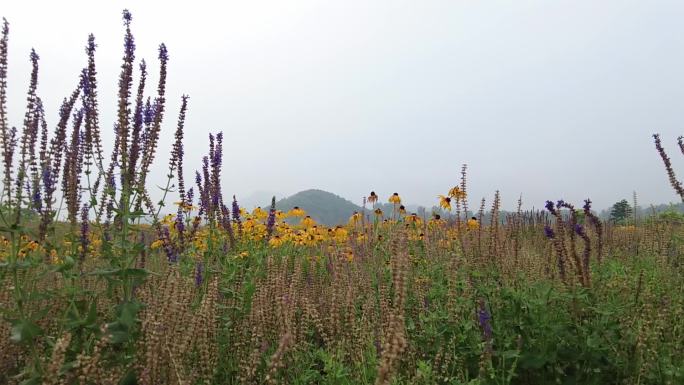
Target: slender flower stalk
[[674, 182], [28, 137]]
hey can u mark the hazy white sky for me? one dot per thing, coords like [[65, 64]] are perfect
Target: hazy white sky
[[551, 99]]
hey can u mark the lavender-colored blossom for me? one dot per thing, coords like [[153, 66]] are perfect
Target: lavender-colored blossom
[[579, 229], [270, 222], [199, 274], [48, 180], [190, 196], [163, 53], [484, 319], [129, 46], [112, 184], [587, 205], [84, 232], [549, 206], [180, 222], [148, 112], [236, 210], [127, 17], [171, 254], [37, 200], [225, 222], [548, 231]]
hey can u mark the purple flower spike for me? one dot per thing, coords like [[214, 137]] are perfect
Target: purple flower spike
[[484, 319], [199, 274], [163, 53], [549, 206], [548, 231], [127, 17]]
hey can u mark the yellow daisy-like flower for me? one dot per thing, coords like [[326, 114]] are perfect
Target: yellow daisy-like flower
[[456, 193], [341, 234], [402, 210], [259, 213], [378, 212], [184, 206], [355, 218], [280, 215], [413, 218], [473, 224], [445, 202], [54, 258], [276, 241], [157, 244], [307, 221], [296, 212], [395, 199], [349, 255], [436, 221]]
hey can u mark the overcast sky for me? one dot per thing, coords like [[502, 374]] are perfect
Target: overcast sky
[[548, 99]]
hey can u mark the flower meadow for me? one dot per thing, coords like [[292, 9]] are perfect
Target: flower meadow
[[99, 285]]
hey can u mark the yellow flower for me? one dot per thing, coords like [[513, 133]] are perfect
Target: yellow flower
[[395, 199], [157, 244], [280, 215], [275, 241], [416, 237], [355, 218], [243, 254], [378, 212], [259, 213], [184, 206], [445, 202], [341, 234], [436, 221], [413, 218], [349, 255], [402, 210], [307, 221], [473, 224], [32, 246], [296, 212], [456, 193], [54, 258]]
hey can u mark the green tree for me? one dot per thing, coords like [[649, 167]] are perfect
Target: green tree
[[620, 212]]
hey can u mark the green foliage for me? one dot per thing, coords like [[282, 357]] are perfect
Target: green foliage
[[621, 212]]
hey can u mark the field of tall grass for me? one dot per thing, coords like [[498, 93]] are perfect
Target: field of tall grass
[[98, 285]]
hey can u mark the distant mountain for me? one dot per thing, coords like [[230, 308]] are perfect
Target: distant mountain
[[324, 207], [260, 198]]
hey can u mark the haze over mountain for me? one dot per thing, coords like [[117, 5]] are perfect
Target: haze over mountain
[[324, 207]]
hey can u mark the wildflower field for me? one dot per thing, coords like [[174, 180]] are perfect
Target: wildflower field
[[100, 285]]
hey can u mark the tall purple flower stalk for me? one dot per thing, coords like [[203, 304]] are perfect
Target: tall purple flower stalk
[[270, 221], [236, 216], [84, 232], [484, 318], [227, 225], [199, 274]]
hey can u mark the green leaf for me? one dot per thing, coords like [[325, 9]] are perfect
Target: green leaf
[[24, 331]]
